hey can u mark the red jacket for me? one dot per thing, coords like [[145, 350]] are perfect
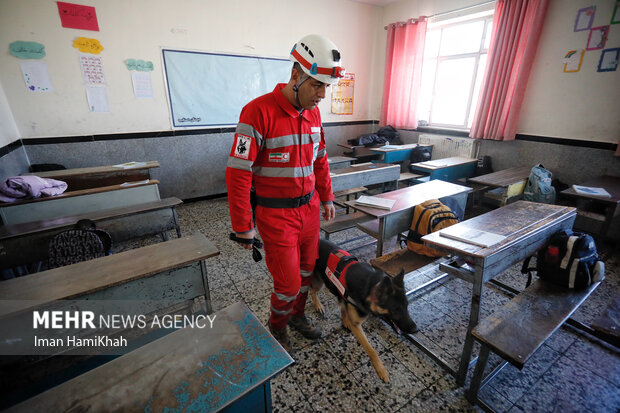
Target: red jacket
[[267, 154]]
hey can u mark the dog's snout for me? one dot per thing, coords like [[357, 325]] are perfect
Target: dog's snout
[[407, 326]]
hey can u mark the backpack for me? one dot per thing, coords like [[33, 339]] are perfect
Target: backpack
[[84, 242], [385, 135], [421, 154], [429, 216], [569, 260], [538, 187]]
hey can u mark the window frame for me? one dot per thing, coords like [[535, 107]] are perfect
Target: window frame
[[482, 50]]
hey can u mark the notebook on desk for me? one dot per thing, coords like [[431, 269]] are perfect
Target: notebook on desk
[[375, 202], [590, 190], [472, 236]]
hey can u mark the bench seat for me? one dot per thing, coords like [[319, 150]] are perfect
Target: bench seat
[[402, 259], [347, 194], [350, 191], [521, 326], [343, 222]]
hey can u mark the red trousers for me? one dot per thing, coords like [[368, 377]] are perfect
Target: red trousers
[[291, 241]]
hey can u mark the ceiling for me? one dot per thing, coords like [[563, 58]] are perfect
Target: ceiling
[[379, 3]]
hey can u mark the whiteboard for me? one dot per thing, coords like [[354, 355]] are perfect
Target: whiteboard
[[207, 89]]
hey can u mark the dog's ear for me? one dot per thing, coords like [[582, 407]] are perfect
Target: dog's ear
[[399, 280], [384, 289]]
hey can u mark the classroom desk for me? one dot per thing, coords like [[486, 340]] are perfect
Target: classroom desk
[[512, 180], [22, 244], [526, 225], [394, 153], [93, 177], [226, 367], [392, 222], [80, 202], [363, 175], [171, 271], [359, 152], [446, 169], [339, 162], [612, 185]]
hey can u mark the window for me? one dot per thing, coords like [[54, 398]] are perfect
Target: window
[[455, 55]]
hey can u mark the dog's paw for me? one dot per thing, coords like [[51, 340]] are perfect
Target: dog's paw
[[383, 374], [320, 309]]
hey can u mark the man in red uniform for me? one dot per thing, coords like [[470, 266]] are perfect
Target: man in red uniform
[[279, 150]]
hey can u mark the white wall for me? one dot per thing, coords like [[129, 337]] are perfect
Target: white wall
[[139, 28], [8, 129], [583, 105]]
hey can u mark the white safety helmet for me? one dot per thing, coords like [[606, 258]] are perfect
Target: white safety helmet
[[319, 58]]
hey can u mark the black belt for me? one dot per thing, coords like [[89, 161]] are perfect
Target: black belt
[[284, 202]]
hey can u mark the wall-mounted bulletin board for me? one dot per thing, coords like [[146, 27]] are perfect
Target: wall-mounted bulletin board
[[210, 89]]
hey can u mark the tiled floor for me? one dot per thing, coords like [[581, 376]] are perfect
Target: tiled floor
[[570, 373]]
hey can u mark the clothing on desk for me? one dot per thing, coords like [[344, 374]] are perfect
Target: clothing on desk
[[281, 153], [17, 188]]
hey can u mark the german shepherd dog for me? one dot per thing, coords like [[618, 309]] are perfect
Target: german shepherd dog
[[370, 291]]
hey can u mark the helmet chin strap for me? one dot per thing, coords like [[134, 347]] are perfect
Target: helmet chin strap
[[296, 88]]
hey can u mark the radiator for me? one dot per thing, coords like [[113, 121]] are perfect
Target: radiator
[[448, 146]]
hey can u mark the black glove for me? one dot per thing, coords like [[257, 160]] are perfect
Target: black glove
[[255, 242]]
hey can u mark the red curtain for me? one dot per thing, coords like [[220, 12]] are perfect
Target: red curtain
[[403, 73], [517, 25]]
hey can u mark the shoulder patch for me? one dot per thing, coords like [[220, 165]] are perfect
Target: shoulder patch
[[315, 129], [243, 143]]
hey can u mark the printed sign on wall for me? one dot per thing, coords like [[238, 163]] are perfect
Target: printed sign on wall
[[76, 16]]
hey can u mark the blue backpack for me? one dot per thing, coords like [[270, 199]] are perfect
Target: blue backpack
[[538, 187], [569, 259]]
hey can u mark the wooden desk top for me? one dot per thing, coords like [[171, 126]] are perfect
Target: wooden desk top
[[444, 163], [407, 198], [349, 146], [25, 228], [90, 276], [339, 159], [80, 192], [394, 148], [610, 183], [503, 178], [191, 369], [59, 174], [514, 221], [368, 166]]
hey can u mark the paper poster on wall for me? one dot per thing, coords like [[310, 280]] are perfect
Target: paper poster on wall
[[609, 60], [36, 76], [572, 61], [584, 19], [92, 69], [97, 99], [139, 65], [86, 45], [27, 50], [615, 18], [342, 95], [76, 16], [597, 38], [142, 86]]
